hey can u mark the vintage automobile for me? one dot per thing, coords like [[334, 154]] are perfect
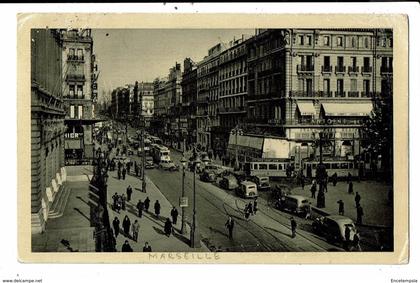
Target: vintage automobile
[[167, 164], [263, 183], [333, 227], [229, 182], [247, 189], [148, 164], [293, 203], [207, 176]]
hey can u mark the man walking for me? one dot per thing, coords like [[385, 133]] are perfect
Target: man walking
[[359, 215], [147, 204], [350, 189], [147, 248], [313, 189], [255, 208], [126, 247], [347, 238], [340, 207], [140, 207], [124, 172], [357, 199], [129, 191], [293, 226], [174, 214], [119, 173], [157, 208], [135, 227], [230, 224], [116, 225], [168, 227], [123, 200]]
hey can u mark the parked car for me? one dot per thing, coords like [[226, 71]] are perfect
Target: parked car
[[263, 182], [148, 164], [333, 227], [229, 182], [207, 176], [166, 164], [294, 203], [247, 189]]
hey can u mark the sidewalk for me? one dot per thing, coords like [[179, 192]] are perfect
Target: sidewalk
[[374, 201], [151, 228]]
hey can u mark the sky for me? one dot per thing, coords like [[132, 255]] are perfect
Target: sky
[[128, 55]]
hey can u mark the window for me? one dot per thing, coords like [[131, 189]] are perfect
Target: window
[[71, 111], [340, 86], [366, 87], [366, 62], [71, 90], [326, 61], [80, 53], [354, 62], [263, 167], [326, 41], [309, 40], [272, 166], [326, 85], [79, 91], [71, 52], [353, 85], [80, 111], [384, 42], [353, 42], [340, 41], [301, 40], [308, 86], [366, 42]]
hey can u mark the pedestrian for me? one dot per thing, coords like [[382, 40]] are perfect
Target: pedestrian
[[168, 227], [350, 189], [346, 238], [230, 224], [308, 211], [119, 173], [334, 179], [128, 167], [140, 207], [340, 207], [124, 172], [349, 177], [302, 181], [359, 215], [119, 203], [174, 214], [116, 225], [126, 247], [313, 189], [255, 207], [157, 208], [247, 211], [293, 226], [123, 200], [146, 204], [147, 248], [135, 227], [126, 226], [129, 192], [114, 201], [357, 199], [356, 242]]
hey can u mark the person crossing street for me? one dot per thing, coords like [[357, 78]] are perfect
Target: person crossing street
[[174, 214]]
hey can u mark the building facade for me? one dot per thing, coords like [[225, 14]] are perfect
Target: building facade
[[146, 99], [233, 82], [189, 100], [208, 97], [47, 124], [304, 81], [80, 73]]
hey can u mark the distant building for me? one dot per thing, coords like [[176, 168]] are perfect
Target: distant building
[[80, 94], [189, 100], [47, 124]]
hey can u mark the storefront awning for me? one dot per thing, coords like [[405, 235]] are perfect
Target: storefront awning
[[73, 144], [347, 109], [306, 108]]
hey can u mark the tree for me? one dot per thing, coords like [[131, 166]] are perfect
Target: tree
[[378, 133]]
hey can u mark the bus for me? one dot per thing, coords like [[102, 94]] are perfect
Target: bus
[[267, 167], [155, 140], [160, 152], [341, 167]]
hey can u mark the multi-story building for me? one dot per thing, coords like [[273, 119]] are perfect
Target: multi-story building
[[79, 93], [305, 81], [146, 99], [47, 124], [207, 97], [189, 99], [233, 83]]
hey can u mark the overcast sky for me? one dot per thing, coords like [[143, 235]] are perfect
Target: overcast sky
[[125, 56]]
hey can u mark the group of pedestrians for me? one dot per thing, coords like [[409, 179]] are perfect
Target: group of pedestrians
[[250, 209]]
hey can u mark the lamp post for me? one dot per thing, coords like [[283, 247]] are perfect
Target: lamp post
[[184, 164], [195, 240]]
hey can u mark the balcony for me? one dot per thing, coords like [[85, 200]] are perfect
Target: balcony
[[340, 94], [266, 96], [366, 94], [74, 96], [340, 69], [353, 70], [386, 70], [305, 68], [326, 69], [325, 94], [231, 110], [75, 58], [302, 93], [353, 94], [366, 69], [75, 78]]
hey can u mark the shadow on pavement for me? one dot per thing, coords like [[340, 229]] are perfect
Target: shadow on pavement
[[280, 232], [159, 231], [214, 230], [81, 213]]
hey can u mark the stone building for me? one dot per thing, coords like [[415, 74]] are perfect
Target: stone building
[[189, 100], [80, 73], [47, 125], [305, 81]]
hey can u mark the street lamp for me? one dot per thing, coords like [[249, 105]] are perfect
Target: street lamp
[[195, 241], [184, 164]]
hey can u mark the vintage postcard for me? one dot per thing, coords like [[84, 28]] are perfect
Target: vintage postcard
[[213, 138]]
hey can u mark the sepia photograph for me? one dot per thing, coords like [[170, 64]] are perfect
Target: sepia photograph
[[212, 141]]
